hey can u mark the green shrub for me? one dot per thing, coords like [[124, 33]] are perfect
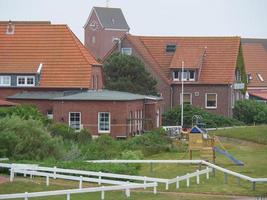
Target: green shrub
[[62, 130], [150, 143], [24, 112], [250, 112], [26, 139], [173, 117], [104, 147], [84, 136]]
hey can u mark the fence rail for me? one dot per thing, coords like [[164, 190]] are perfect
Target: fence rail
[[102, 189], [213, 166]]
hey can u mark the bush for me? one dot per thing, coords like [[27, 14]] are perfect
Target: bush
[[62, 130], [84, 136], [250, 112], [104, 147], [173, 117], [24, 112], [150, 143], [26, 139]]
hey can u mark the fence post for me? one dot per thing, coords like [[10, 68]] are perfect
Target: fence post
[[26, 196], [238, 181], [127, 191], [144, 182], [213, 171], [177, 182], [55, 168], [155, 188], [151, 167], [225, 178], [208, 173], [11, 174], [81, 182], [167, 185], [47, 180], [187, 180], [253, 185], [99, 178], [197, 176], [68, 196], [102, 193]]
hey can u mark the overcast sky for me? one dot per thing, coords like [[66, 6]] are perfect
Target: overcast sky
[[246, 18]]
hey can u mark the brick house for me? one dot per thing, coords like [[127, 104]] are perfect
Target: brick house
[[46, 65], [255, 58], [104, 26], [212, 77]]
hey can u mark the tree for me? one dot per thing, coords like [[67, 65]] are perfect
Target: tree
[[127, 73]]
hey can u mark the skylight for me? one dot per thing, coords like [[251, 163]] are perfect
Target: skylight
[[170, 48]]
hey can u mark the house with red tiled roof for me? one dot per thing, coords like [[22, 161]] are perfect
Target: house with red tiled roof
[[211, 77], [46, 65], [255, 58]]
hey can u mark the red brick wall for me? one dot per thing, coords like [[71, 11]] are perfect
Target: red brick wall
[[119, 112], [103, 38], [223, 92], [97, 77]]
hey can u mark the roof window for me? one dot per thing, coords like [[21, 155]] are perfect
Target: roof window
[[170, 48], [260, 77], [10, 30]]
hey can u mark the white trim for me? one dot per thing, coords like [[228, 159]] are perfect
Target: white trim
[[184, 94], [260, 77], [2, 80], [211, 107], [80, 120], [101, 131], [25, 81]]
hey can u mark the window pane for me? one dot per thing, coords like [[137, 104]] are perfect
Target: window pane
[[187, 98], [211, 100], [104, 121], [29, 81], [75, 120], [191, 74]]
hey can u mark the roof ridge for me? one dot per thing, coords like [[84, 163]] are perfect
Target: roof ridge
[[187, 37], [149, 54]]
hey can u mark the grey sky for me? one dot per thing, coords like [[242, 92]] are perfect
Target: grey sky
[[246, 18]]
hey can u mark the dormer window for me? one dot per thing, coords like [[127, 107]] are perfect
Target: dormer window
[[188, 75], [170, 48], [238, 76], [10, 30], [25, 81]]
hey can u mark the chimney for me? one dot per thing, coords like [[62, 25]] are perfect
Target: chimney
[[10, 28]]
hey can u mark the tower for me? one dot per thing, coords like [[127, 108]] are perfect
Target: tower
[[103, 25]]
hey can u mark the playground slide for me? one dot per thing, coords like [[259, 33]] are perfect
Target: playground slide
[[228, 155]]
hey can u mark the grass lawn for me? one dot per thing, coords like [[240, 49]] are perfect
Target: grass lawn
[[254, 155], [256, 134]]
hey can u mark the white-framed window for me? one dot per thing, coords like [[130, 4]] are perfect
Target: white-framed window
[[104, 122], [25, 81], [211, 100], [175, 75], [187, 98], [75, 120], [5, 80], [192, 75], [127, 51], [184, 75]]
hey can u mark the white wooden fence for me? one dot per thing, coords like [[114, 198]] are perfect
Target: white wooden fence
[[213, 166], [68, 193]]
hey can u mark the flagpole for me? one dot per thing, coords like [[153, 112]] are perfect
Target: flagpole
[[182, 98]]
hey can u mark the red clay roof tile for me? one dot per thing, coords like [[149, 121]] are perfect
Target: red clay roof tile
[[219, 63], [255, 58], [66, 62]]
